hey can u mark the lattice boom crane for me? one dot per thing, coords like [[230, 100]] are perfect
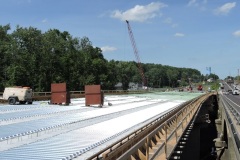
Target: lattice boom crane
[[136, 53]]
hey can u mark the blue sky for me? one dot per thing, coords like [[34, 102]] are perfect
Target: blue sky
[[183, 33]]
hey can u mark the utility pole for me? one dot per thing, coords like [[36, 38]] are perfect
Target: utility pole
[[238, 76], [209, 70]]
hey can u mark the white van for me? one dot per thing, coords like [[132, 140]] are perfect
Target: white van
[[236, 92]]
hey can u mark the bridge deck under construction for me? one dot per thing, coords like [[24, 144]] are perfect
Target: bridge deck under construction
[[43, 131]]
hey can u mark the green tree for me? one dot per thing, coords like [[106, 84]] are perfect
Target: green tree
[[25, 48], [29, 57], [5, 50]]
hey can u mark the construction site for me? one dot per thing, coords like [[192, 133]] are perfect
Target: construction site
[[78, 128], [140, 124]]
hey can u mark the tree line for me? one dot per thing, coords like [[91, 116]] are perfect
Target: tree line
[[30, 57]]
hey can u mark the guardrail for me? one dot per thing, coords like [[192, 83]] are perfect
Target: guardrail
[[79, 94], [233, 121], [229, 104], [105, 91]]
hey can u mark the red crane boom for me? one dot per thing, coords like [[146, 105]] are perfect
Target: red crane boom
[[136, 53]]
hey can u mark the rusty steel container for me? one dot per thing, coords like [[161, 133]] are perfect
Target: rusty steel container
[[60, 98], [58, 87], [93, 95], [59, 94]]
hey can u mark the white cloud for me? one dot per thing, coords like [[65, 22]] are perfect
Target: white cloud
[[200, 4], [196, 2], [168, 20], [174, 25], [44, 20], [139, 13], [179, 35], [237, 33], [192, 3], [225, 9], [108, 49]]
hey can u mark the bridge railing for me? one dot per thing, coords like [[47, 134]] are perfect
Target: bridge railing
[[37, 96], [235, 113], [105, 91], [230, 105], [233, 121]]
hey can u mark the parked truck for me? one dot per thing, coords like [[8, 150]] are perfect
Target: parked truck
[[21, 95]]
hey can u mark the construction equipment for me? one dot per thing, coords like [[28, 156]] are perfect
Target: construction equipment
[[136, 55], [17, 94], [200, 88]]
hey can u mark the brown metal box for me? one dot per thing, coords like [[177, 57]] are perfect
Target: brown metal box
[[59, 94], [92, 89], [60, 98], [93, 95], [58, 87]]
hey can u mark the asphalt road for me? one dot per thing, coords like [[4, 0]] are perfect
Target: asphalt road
[[229, 95]]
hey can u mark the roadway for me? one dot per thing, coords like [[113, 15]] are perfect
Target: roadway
[[235, 99], [231, 115]]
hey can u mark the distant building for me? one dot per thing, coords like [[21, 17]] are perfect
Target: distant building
[[131, 86], [229, 80], [118, 86], [210, 80], [134, 86]]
